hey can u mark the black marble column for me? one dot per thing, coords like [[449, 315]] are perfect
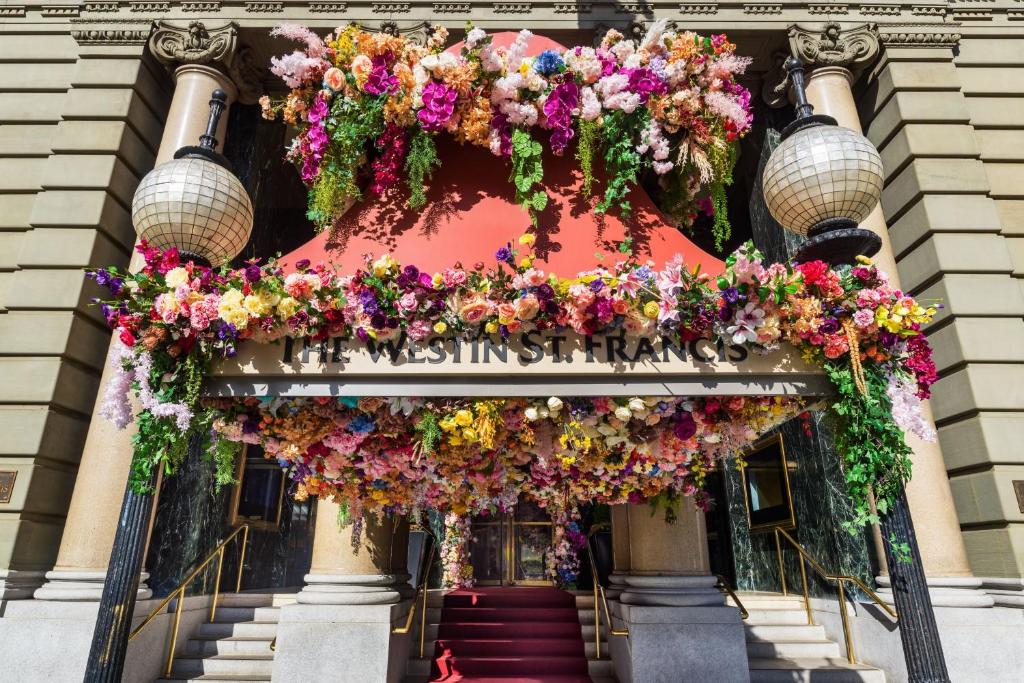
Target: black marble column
[[919, 633]]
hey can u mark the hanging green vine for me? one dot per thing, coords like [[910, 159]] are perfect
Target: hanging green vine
[[621, 159], [588, 140], [528, 173], [419, 167]]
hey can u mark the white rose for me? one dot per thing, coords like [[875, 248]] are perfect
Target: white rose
[[623, 413], [555, 404], [637, 405], [531, 414], [176, 277]]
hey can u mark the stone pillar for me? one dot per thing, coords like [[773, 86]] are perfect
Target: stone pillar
[[680, 628], [355, 594], [835, 57], [92, 517]]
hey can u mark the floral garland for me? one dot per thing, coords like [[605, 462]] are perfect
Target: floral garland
[[456, 570], [562, 560], [464, 456], [669, 103]]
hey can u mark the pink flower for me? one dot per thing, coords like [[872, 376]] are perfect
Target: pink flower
[[408, 302], [453, 278], [334, 79], [527, 307], [419, 329]]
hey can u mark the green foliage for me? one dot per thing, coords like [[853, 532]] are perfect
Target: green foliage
[[356, 124], [528, 173], [588, 141], [619, 135], [224, 454], [419, 166], [430, 433], [722, 161], [876, 457]]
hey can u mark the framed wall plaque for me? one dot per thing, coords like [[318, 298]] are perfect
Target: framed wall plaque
[[7, 478]]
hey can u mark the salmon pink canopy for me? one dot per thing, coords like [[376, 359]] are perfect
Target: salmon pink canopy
[[471, 212]]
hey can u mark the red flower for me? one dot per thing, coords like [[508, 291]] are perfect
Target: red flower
[[814, 272], [127, 338]]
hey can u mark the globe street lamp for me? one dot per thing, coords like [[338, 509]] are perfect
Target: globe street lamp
[[820, 182]]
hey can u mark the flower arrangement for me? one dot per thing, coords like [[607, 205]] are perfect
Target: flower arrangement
[[562, 560], [456, 570], [668, 103], [464, 456]]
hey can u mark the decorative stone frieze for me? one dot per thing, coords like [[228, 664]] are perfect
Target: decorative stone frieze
[[417, 33], [327, 7], [761, 8], [101, 6], [59, 10], [917, 36], [512, 7], [452, 7], [828, 9], [929, 10], [200, 7], [698, 8], [195, 44], [12, 11], [633, 8], [111, 31], [264, 7], [149, 7], [573, 7], [832, 45], [391, 7]]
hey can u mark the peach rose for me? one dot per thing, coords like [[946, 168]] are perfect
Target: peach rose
[[527, 307], [335, 79], [361, 67], [620, 306], [473, 309], [506, 313]]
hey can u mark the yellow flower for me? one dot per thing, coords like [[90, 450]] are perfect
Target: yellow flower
[[524, 68], [491, 327], [437, 280], [176, 277], [469, 435], [440, 327], [382, 265], [463, 418], [287, 307], [526, 262], [651, 309], [236, 316], [864, 260], [231, 299], [259, 305], [528, 239]]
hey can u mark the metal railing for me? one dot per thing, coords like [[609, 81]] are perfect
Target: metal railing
[[179, 591], [726, 589], [424, 579], [839, 579], [600, 595]]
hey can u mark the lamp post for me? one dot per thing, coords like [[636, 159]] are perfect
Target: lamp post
[[195, 203], [820, 182]]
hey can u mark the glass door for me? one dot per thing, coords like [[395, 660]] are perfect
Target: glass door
[[508, 550]]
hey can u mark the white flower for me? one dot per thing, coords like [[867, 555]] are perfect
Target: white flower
[[176, 277], [623, 413], [474, 37], [555, 404], [637, 405], [531, 414]]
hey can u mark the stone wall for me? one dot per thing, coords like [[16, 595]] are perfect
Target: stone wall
[[946, 118], [79, 122]]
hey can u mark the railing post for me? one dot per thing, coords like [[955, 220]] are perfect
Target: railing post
[[782, 568], [241, 557], [179, 606], [216, 584], [807, 599], [846, 623]]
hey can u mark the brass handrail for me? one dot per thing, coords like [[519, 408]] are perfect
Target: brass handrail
[[723, 586], [421, 588], [599, 593], [179, 591], [840, 579]]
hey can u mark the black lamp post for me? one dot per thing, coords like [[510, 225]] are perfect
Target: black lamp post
[[820, 182], [195, 203]]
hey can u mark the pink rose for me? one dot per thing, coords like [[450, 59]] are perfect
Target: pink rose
[[506, 313], [527, 307], [361, 67], [419, 329], [408, 302], [474, 309], [453, 278], [534, 277], [620, 306]]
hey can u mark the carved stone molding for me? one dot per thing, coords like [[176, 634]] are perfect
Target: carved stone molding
[[917, 36], [452, 7], [572, 7], [698, 8], [880, 10], [828, 8], [59, 10], [12, 11], [195, 44], [149, 7], [104, 6], [391, 7], [111, 31], [832, 45], [327, 7], [762, 8], [416, 33], [512, 7], [264, 7], [200, 6]]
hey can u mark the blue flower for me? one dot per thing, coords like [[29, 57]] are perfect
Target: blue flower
[[548, 62], [362, 424], [349, 401]]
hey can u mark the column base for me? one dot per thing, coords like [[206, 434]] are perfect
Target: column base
[[82, 586], [680, 630], [345, 613], [1006, 592], [19, 584], [946, 591]]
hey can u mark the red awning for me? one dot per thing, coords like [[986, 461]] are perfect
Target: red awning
[[471, 213]]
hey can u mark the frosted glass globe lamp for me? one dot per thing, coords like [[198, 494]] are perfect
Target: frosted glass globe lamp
[[822, 181], [194, 202]]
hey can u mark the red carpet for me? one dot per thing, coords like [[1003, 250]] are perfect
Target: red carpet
[[509, 635]]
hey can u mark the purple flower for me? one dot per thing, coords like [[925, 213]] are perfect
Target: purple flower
[[731, 295], [504, 255], [438, 106], [644, 82], [597, 285], [318, 112], [302, 264], [426, 280], [558, 109], [411, 272], [545, 292], [499, 123], [381, 80], [252, 272], [829, 326], [378, 320], [684, 427], [548, 62]]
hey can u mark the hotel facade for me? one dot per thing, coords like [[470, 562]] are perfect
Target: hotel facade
[[94, 95]]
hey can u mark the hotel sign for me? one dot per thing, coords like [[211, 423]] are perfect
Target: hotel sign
[[527, 364]]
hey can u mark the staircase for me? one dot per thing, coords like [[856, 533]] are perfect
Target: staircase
[[783, 647], [508, 635], [236, 646]]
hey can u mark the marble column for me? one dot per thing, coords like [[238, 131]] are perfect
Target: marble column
[[680, 627], [92, 518], [833, 54], [356, 592]]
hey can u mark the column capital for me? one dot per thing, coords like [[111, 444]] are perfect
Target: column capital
[[216, 47], [832, 45]]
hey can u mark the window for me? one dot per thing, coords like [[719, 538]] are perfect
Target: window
[[259, 493], [766, 486]]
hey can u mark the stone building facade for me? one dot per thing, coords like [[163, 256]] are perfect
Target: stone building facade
[[86, 89]]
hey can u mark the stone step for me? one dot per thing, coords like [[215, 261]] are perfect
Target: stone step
[[832, 670], [245, 600], [591, 649], [793, 649], [770, 632], [235, 664], [778, 602], [776, 616], [250, 629], [216, 678], [600, 667], [235, 614], [222, 646]]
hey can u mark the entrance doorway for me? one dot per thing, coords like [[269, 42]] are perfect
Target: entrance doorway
[[508, 550]]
